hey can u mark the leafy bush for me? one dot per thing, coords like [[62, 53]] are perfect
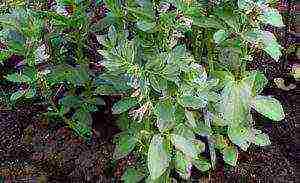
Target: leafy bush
[[179, 65]]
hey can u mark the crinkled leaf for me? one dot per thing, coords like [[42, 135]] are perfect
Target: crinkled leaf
[[257, 82], [145, 26], [268, 40], [272, 16], [220, 36], [235, 104], [124, 105], [182, 165], [269, 107], [158, 157], [192, 101], [201, 164], [240, 136], [158, 84], [184, 145], [203, 129], [18, 78], [125, 143], [220, 141], [30, 93], [71, 101], [230, 155], [184, 131], [132, 175], [165, 112], [17, 95]]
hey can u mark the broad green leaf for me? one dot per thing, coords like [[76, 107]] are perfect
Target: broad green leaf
[[235, 104], [220, 36], [158, 157], [240, 136], [268, 41], [17, 95], [132, 175], [125, 143], [71, 101], [165, 112], [230, 155], [192, 101], [182, 165], [272, 16], [269, 107], [182, 130], [83, 117], [145, 26], [262, 139], [274, 50], [184, 145], [124, 105], [257, 81], [18, 78], [201, 164]]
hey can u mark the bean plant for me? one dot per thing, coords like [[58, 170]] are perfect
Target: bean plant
[[179, 67]]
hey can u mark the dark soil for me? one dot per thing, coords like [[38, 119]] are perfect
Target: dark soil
[[31, 148]]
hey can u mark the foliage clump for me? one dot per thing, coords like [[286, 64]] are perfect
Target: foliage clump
[[179, 65]]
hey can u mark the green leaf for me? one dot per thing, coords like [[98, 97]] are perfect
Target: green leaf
[[71, 101], [262, 139], [203, 129], [220, 36], [124, 105], [184, 131], [131, 175], [268, 41], [272, 16], [246, 4], [165, 112], [274, 50], [19, 78], [201, 164], [17, 95], [158, 84], [220, 141], [184, 145], [257, 81], [30, 93], [182, 165], [269, 107], [240, 136], [125, 143], [83, 117], [192, 101], [235, 104], [230, 155], [190, 118], [145, 26], [158, 157]]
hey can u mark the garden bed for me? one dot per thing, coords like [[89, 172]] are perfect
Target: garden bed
[[34, 149]]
